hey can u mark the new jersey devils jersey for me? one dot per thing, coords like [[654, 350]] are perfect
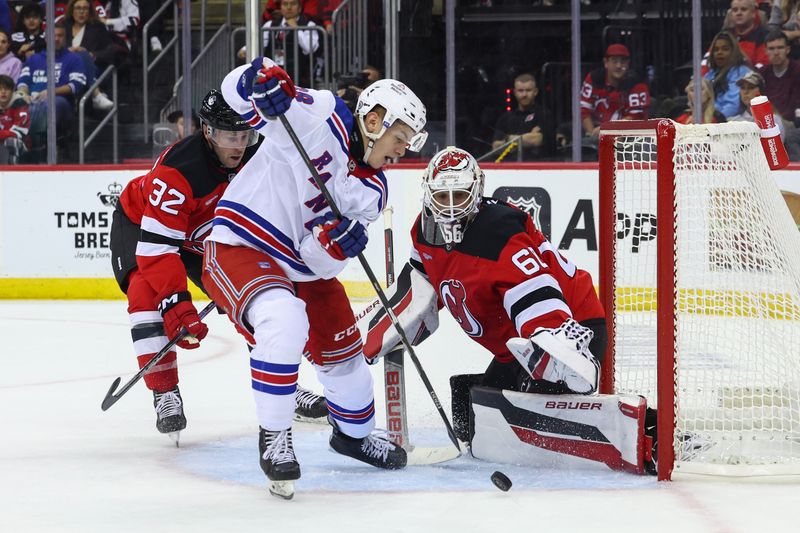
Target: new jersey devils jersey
[[504, 279], [174, 205], [273, 202]]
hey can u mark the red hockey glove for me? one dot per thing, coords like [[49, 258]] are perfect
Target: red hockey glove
[[178, 312], [340, 238], [273, 90]]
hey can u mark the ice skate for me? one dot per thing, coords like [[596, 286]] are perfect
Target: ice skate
[[278, 461], [375, 449], [309, 407], [169, 413]]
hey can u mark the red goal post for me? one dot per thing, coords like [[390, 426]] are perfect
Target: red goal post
[[700, 277]]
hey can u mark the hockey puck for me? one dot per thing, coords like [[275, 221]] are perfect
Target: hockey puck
[[501, 481]]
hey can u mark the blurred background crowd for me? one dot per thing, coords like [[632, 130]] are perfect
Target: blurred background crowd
[[118, 72]]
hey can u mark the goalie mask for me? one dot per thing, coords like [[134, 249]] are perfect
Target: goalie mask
[[452, 190], [400, 103]]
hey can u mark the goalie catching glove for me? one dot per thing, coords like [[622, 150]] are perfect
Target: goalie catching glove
[[178, 312], [340, 238], [559, 355], [414, 303]]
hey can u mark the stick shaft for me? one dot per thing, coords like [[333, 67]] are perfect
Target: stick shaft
[[112, 398]]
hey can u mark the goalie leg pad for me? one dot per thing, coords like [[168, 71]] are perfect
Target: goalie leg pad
[[559, 430], [413, 301]]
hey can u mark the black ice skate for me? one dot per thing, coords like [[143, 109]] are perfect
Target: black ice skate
[[309, 407], [278, 461], [169, 413], [375, 449]]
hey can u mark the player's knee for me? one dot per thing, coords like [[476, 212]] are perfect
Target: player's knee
[[280, 324]]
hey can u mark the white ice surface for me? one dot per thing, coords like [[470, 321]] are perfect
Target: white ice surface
[[67, 466]]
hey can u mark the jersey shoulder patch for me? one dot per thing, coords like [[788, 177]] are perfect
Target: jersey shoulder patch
[[494, 225]]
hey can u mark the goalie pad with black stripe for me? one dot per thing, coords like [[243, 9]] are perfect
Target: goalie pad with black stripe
[[565, 430], [413, 301]]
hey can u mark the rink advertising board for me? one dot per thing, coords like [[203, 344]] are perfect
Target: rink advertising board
[[55, 223]]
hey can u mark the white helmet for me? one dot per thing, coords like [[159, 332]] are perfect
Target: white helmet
[[453, 187], [400, 103]]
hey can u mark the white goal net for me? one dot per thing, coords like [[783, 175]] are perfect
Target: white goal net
[[729, 290]]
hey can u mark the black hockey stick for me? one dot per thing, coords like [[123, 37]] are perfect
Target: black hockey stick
[[112, 398], [374, 281]]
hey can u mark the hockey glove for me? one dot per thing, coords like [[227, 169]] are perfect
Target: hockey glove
[[340, 238], [273, 90], [178, 312]]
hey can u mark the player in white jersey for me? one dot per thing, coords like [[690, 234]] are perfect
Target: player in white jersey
[[275, 249]]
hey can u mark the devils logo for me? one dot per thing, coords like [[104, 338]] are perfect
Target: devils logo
[[454, 297]]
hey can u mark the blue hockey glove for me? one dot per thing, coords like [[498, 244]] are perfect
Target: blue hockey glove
[[273, 90], [340, 238]]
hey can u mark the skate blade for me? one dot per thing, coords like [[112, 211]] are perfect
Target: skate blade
[[175, 436], [321, 420], [282, 489]]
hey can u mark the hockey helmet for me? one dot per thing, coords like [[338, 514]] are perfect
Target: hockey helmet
[[226, 128], [400, 103], [452, 190]]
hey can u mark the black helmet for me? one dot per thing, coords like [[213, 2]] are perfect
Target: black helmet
[[218, 114]]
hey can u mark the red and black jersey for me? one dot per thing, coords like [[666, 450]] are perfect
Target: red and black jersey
[[15, 122], [603, 102], [752, 44], [174, 204], [504, 279]]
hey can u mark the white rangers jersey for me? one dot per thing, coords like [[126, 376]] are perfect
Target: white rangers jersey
[[272, 202]]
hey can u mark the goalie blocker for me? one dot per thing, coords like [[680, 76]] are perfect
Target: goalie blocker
[[552, 430]]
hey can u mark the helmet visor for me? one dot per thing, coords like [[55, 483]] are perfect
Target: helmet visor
[[418, 141], [232, 139]]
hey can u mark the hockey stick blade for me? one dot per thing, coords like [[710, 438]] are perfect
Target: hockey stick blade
[[432, 456], [112, 398]]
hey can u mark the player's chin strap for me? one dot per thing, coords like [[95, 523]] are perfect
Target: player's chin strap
[[361, 133]]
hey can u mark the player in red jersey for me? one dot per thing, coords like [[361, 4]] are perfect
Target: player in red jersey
[[156, 244], [501, 279]]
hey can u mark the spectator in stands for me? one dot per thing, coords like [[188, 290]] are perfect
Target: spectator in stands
[[710, 115], [320, 11], [14, 124], [122, 20], [70, 83], [350, 87], [612, 92], [176, 117], [745, 25], [528, 122], [10, 65], [61, 9], [148, 8], [750, 86], [728, 65], [279, 46], [28, 39], [782, 77], [5, 17], [784, 17], [91, 40]]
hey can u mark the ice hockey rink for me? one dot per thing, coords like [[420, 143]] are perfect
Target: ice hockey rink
[[68, 466]]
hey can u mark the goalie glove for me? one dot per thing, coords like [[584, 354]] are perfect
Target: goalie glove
[[178, 312], [413, 301], [559, 355]]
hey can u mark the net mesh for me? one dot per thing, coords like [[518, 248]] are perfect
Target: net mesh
[[737, 290]]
